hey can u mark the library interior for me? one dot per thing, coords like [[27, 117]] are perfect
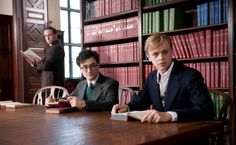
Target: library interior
[[202, 34]]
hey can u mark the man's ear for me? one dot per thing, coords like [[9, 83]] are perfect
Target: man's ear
[[147, 56]]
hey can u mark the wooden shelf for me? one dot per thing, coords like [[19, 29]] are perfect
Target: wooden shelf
[[120, 64], [221, 89], [202, 59], [109, 42], [133, 87], [116, 16], [192, 29], [165, 5]]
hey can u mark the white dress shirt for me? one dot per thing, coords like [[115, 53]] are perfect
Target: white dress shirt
[[162, 80]]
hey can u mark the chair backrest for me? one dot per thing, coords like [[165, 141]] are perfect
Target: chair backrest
[[222, 104], [125, 95], [223, 111], [54, 91]]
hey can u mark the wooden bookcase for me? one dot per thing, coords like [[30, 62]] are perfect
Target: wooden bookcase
[[191, 25]]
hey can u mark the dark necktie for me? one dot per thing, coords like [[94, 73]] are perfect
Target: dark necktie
[[159, 77], [89, 91]]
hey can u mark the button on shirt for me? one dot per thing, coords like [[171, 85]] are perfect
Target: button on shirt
[[162, 80]]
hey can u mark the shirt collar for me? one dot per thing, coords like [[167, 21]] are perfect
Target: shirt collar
[[165, 74], [93, 81]]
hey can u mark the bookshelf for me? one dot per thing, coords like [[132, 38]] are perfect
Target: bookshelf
[[115, 35], [204, 40]]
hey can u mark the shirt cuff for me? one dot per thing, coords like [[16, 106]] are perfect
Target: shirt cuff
[[174, 116], [128, 109]]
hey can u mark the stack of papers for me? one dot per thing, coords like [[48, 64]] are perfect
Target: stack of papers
[[14, 105]]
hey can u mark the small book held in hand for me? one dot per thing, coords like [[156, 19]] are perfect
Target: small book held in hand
[[59, 103], [127, 116]]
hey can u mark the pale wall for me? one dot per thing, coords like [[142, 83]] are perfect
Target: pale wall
[[54, 13], [6, 7]]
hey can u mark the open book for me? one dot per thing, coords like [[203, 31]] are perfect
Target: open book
[[30, 56], [138, 115]]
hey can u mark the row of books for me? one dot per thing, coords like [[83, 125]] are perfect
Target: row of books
[[125, 52], [200, 44], [166, 20], [99, 8], [111, 30], [213, 12], [215, 74], [126, 97], [151, 2], [127, 76]]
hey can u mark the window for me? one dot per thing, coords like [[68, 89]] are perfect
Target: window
[[70, 24]]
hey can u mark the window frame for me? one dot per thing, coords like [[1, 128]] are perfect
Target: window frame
[[69, 44]]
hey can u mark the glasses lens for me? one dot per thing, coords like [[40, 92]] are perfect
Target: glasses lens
[[85, 67]]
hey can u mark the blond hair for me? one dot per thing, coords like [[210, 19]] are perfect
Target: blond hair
[[157, 39]]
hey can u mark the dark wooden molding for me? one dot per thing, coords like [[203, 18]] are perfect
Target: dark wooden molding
[[29, 21]]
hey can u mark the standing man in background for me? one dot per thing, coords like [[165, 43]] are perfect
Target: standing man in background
[[52, 65]]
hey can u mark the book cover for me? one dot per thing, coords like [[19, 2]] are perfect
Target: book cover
[[60, 106], [60, 110], [59, 103], [176, 18], [127, 116]]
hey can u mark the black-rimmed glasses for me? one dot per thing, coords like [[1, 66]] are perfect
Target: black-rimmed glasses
[[86, 67]]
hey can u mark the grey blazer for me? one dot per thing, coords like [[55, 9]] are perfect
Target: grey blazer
[[52, 66], [105, 94]]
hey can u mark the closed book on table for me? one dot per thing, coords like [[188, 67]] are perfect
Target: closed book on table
[[60, 110]]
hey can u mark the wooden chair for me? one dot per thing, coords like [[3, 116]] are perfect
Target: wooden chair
[[125, 95], [222, 107], [54, 91]]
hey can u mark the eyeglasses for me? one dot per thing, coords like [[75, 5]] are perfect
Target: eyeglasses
[[86, 67]]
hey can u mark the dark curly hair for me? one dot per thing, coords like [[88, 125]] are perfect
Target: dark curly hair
[[52, 29], [86, 54]]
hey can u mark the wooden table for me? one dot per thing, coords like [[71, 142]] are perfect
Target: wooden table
[[32, 126]]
